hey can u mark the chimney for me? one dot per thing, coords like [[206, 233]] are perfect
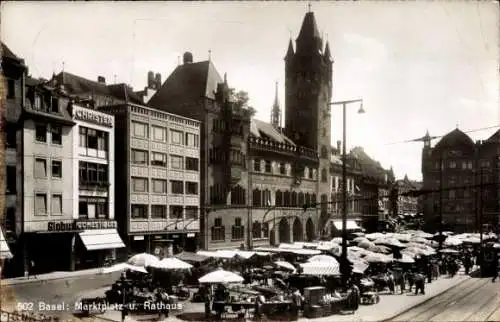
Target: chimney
[[101, 80], [339, 146], [158, 81], [151, 79], [187, 58]]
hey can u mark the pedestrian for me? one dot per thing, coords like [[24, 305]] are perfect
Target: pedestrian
[[496, 273], [31, 269], [419, 280], [411, 280], [435, 270], [428, 271]]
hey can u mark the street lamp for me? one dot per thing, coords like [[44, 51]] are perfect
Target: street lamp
[[344, 182]]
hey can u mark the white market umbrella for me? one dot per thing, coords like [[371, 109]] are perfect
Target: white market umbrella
[[449, 251], [389, 242], [379, 249], [320, 268], [374, 236], [286, 265], [366, 244], [450, 241], [405, 258], [360, 239], [496, 245], [377, 258], [356, 249], [143, 260], [472, 240], [323, 259], [171, 263], [123, 267], [337, 240], [220, 277]]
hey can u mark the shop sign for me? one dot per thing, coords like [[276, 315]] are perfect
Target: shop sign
[[58, 226], [93, 117]]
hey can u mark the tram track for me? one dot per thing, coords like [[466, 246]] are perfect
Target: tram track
[[427, 310]]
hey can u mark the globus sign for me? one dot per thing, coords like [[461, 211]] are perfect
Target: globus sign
[[78, 225]]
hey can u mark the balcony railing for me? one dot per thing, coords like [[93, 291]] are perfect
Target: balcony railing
[[268, 145]]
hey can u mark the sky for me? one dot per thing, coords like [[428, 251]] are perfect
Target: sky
[[418, 66]]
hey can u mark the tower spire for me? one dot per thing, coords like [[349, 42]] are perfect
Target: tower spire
[[276, 111]]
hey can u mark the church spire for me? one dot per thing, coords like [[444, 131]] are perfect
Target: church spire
[[327, 54], [289, 52], [276, 111], [309, 37]]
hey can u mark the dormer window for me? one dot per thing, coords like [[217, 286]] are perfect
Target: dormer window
[[38, 102], [55, 105]]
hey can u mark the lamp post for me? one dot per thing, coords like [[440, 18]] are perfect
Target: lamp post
[[344, 182]]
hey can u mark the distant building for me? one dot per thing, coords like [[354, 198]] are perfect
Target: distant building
[[14, 73], [375, 185], [157, 179], [466, 176], [406, 205], [256, 177]]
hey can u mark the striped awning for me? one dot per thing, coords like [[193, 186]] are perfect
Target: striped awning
[[4, 247], [320, 268]]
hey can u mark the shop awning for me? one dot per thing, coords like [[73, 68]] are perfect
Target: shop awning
[[4, 247], [101, 239], [351, 225]]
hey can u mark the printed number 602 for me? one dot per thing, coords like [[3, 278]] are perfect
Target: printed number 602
[[25, 306]]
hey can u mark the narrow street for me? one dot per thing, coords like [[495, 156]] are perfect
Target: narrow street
[[477, 299]]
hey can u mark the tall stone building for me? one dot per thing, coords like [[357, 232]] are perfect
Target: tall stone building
[[465, 177], [256, 177]]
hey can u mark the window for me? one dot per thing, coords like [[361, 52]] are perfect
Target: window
[[139, 157], [38, 102], [11, 173], [469, 165], [311, 173], [56, 132], [324, 177], [140, 129], [176, 212], [55, 105], [265, 230], [175, 137], [257, 198], [191, 212], [192, 164], [158, 159], [279, 199], [92, 139], [102, 141], [102, 173], [10, 135], [11, 88], [268, 167], [40, 168], [56, 169], [40, 204], [56, 204], [324, 152], [41, 132], [238, 196], [176, 187], [256, 230], [453, 164], [176, 162], [159, 186], [82, 132], [192, 140], [256, 165], [282, 168], [139, 211], [464, 165], [191, 188], [159, 134], [218, 231], [158, 211], [140, 184], [237, 231]]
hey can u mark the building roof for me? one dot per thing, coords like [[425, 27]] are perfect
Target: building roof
[[188, 82], [454, 139], [6, 52], [369, 166], [265, 130], [78, 85], [495, 137], [309, 27]]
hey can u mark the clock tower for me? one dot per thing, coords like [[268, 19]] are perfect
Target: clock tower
[[308, 91]]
